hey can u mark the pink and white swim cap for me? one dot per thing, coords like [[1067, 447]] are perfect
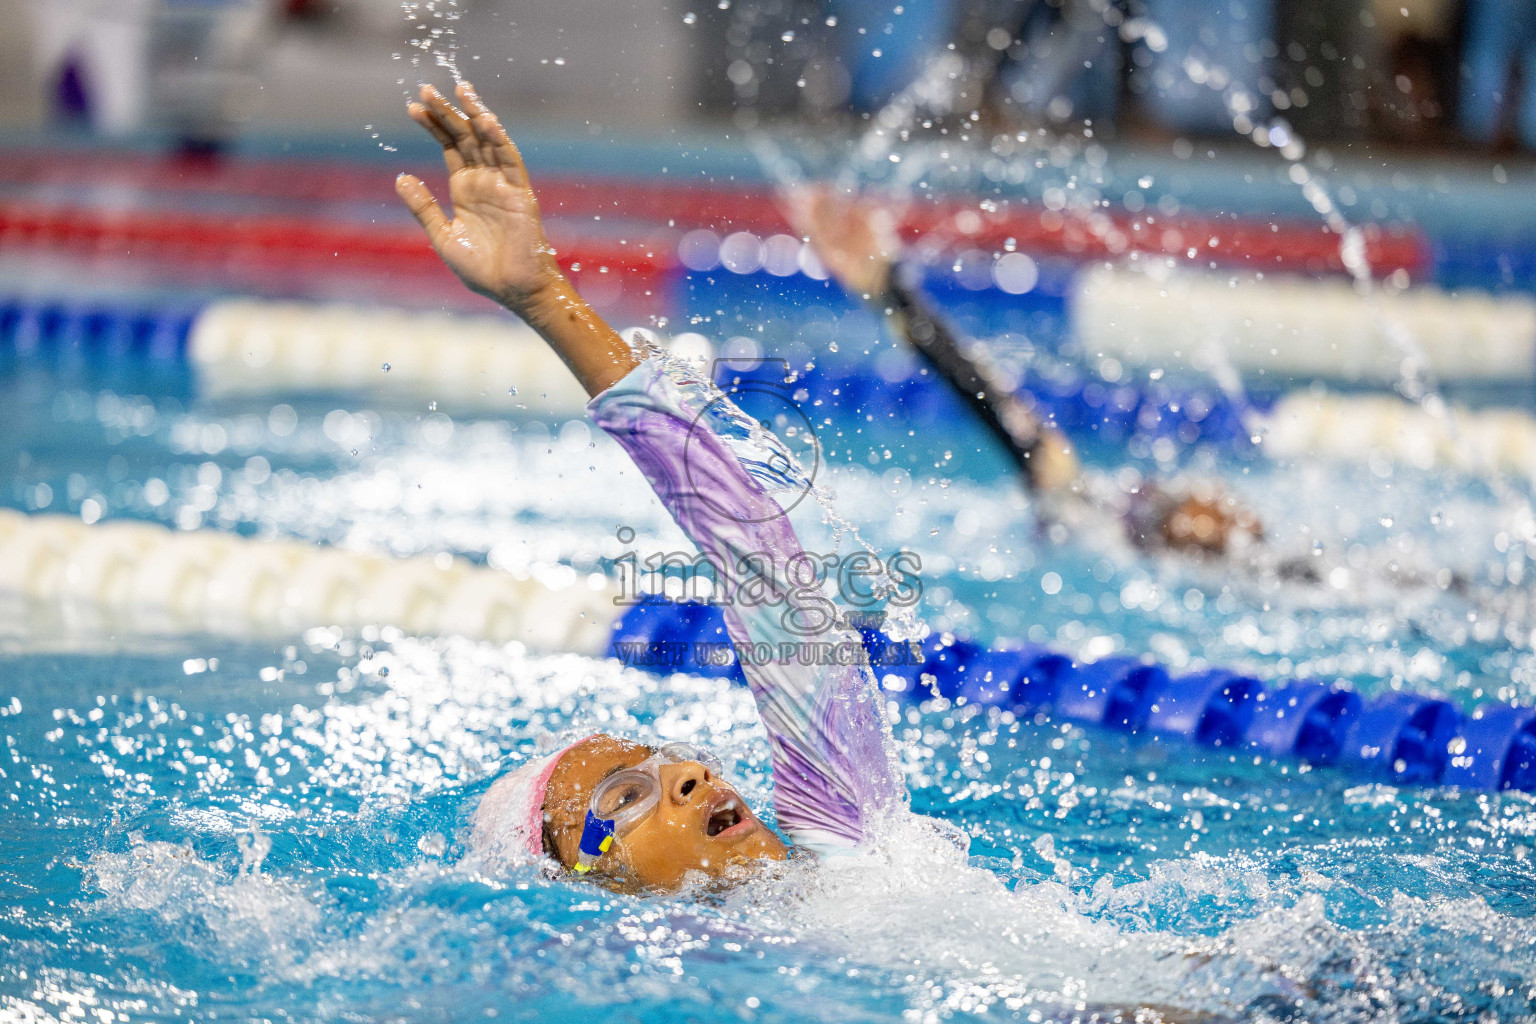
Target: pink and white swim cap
[[509, 823]]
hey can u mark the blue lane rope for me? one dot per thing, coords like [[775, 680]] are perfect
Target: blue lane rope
[[1081, 405], [1402, 738], [106, 331]]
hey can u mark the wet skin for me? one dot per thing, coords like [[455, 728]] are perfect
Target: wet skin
[[494, 241], [672, 840], [1208, 524]]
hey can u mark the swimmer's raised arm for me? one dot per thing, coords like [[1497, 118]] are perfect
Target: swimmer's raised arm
[[857, 241], [495, 239], [854, 238]]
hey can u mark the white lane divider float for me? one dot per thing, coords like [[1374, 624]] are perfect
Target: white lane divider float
[[1320, 425], [496, 363], [1300, 327], [148, 577]]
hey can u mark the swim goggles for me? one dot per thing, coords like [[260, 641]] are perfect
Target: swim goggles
[[626, 798]]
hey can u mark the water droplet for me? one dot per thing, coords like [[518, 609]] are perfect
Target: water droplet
[[1145, 181], [1387, 521], [690, 18], [386, 367], [432, 844], [253, 850], [512, 390]]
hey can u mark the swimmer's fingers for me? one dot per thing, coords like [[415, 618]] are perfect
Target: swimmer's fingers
[[496, 146], [806, 211], [422, 116], [454, 125], [418, 199]]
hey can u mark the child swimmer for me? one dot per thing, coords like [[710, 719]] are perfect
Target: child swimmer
[[639, 817], [857, 242], [651, 819]]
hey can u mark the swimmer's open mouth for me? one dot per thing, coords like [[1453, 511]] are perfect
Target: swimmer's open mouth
[[728, 817]]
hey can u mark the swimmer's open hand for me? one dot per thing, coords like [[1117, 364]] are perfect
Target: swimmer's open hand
[[495, 241], [854, 237]]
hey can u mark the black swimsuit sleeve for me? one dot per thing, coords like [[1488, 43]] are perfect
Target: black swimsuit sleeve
[[980, 383]]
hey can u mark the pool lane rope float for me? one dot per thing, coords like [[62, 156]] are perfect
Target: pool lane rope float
[[1401, 738], [142, 576], [496, 364], [103, 332], [145, 577], [488, 362], [1362, 427], [1292, 327], [252, 346], [249, 345]]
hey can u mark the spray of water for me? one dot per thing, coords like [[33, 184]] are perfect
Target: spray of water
[[435, 39], [887, 155], [781, 472]]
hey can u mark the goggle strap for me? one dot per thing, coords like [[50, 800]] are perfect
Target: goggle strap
[[596, 838]]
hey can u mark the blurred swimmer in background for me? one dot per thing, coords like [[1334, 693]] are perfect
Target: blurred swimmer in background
[[856, 239]]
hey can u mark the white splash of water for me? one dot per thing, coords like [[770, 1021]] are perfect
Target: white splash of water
[[435, 42], [771, 463]]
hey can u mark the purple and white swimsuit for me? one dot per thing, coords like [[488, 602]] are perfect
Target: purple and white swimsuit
[[833, 774]]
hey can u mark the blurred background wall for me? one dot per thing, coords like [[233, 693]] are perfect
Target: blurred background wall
[[1444, 73], [201, 66]]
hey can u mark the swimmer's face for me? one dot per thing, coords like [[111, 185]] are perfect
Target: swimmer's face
[[700, 824], [1209, 524], [1202, 522]]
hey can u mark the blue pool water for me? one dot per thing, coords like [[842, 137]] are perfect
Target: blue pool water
[[214, 828]]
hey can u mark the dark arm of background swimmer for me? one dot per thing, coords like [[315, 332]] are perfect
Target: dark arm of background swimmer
[[1007, 416]]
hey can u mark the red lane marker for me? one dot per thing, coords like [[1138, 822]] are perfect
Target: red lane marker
[[303, 180], [636, 275], [1292, 246], [287, 240]]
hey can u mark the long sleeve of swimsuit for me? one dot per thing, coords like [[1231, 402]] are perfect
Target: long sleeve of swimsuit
[[831, 769], [1005, 414]]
